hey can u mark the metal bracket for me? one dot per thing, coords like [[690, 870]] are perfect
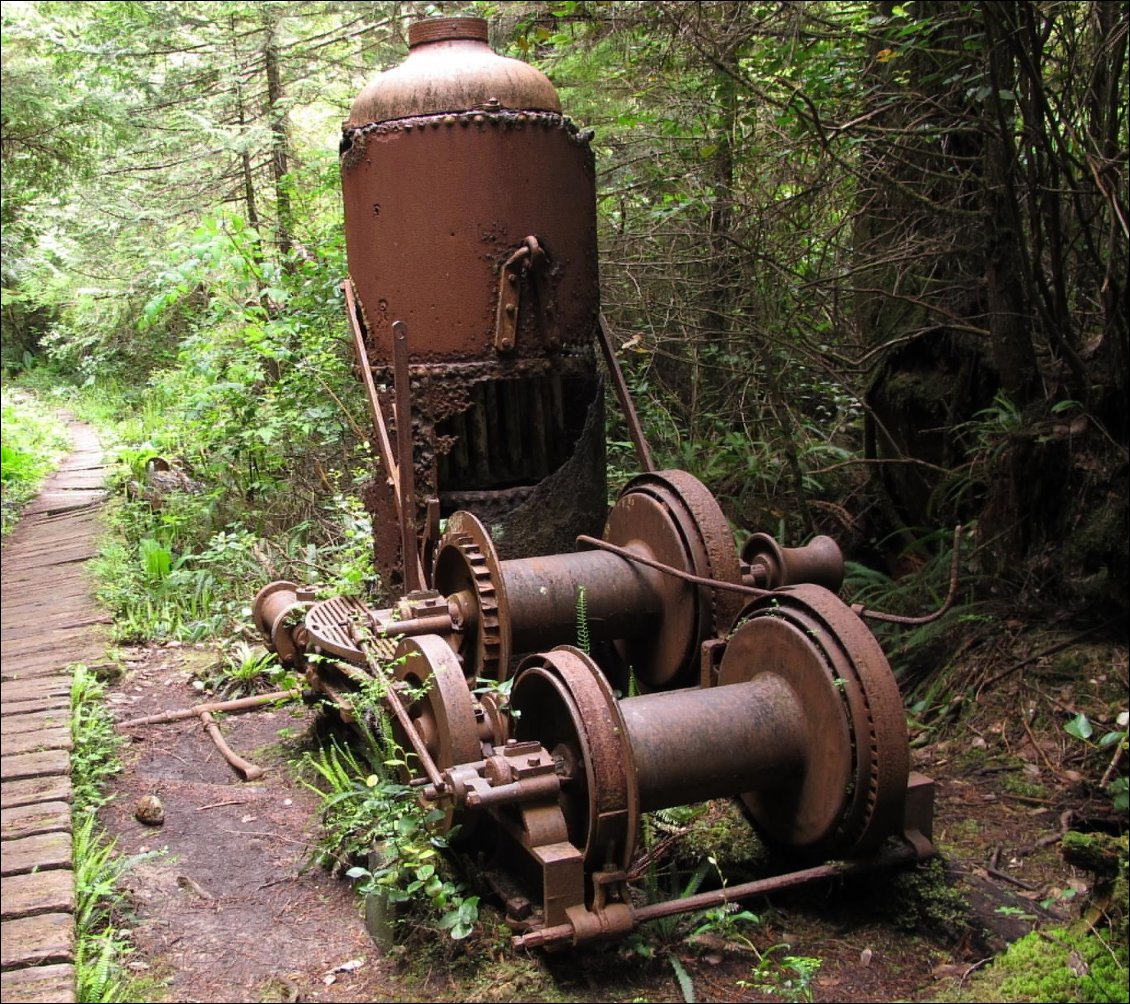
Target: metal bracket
[[530, 260]]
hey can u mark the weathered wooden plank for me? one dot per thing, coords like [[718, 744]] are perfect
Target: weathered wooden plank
[[35, 941], [23, 765], [42, 817], [16, 648], [43, 600], [39, 852], [20, 591], [14, 743], [41, 663], [32, 790], [43, 892], [39, 985], [31, 630], [40, 719], [14, 712], [66, 500], [49, 553], [19, 691], [37, 668], [51, 534]]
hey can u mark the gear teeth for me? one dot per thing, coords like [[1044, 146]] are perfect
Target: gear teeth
[[490, 643]]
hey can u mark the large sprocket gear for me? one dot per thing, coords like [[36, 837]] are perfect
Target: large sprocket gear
[[467, 567]]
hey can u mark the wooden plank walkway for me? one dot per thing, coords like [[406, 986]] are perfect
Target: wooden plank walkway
[[48, 620]]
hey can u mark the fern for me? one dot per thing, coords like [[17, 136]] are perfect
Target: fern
[[686, 985], [583, 640]]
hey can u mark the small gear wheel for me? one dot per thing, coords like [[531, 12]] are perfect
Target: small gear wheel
[[467, 563]]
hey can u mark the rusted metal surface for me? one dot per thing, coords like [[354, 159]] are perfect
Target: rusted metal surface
[[895, 857], [635, 429], [857, 731], [566, 704], [468, 567], [692, 745], [470, 219], [671, 517], [771, 566], [451, 68], [244, 768], [470, 216]]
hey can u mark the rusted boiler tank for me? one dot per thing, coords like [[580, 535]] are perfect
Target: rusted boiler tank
[[470, 218]]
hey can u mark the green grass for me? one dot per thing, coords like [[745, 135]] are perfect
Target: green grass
[[101, 947], [32, 441]]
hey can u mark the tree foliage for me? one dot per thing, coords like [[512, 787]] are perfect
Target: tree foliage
[[866, 260]]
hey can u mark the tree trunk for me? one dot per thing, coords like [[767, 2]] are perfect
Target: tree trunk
[[280, 144]]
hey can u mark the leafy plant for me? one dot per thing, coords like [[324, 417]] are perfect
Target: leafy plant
[[787, 977], [33, 442], [249, 669], [584, 642], [100, 945], [1118, 740], [95, 741], [364, 810]]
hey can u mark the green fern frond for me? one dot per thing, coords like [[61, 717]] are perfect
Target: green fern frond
[[583, 640]]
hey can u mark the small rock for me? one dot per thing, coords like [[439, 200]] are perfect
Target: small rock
[[194, 887], [149, 810]]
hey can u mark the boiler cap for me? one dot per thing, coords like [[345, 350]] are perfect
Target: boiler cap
[[451, 68]]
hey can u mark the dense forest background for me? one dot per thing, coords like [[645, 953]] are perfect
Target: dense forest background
[[866, 263]]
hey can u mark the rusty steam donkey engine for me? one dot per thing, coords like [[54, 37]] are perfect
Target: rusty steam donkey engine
[[470, 216]]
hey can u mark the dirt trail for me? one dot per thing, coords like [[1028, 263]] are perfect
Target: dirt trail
[[231, 910], [228, 905]]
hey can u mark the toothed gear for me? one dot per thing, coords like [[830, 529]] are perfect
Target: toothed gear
[[466, 560]]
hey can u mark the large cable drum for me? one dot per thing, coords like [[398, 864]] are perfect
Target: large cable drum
[[470, 216]]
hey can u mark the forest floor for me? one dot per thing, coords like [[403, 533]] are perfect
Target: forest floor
[[228, 906]]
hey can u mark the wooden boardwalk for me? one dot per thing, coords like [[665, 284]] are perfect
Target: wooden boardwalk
[[48, 620]]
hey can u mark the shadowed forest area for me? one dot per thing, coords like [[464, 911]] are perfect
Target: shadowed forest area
[[865, 265]]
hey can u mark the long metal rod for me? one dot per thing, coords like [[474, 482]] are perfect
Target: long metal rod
[[396, 706], [383, 443], [239, 704], [410, 551], [678, 573], [399, 712], [635, 430], [902, 855]]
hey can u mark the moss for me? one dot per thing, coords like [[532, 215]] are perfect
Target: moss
[[1019, 784], [923, 897], [720, 831], [1058, 966], [1096, 852], [1077, 662]]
